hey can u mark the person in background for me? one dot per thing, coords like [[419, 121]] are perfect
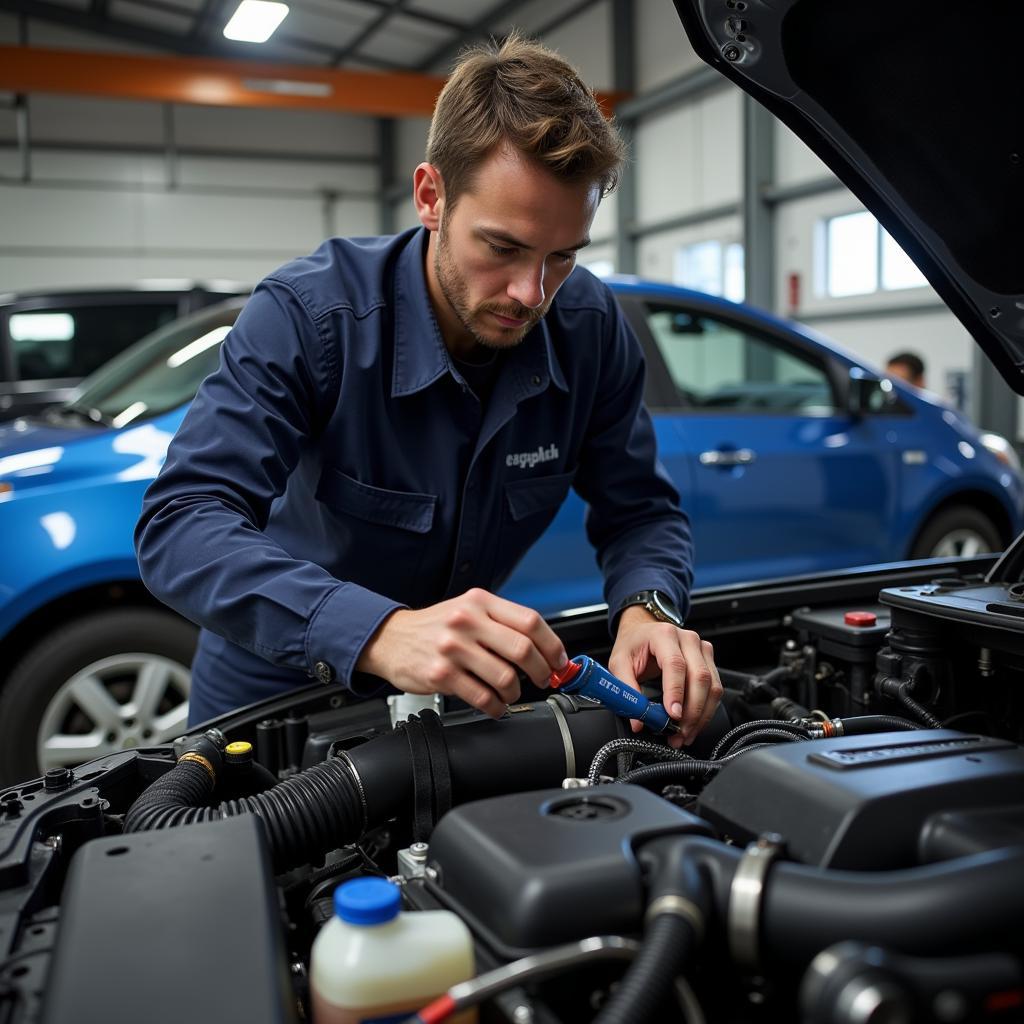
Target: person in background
[[395, 420], [907, 366]]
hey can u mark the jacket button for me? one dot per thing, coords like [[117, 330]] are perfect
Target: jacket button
[[535, 380], [324, 672]]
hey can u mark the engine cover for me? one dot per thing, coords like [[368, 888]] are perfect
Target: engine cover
[[860, 802], [535, 869]]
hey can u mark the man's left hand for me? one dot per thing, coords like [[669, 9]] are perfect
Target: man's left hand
[[689, 679]]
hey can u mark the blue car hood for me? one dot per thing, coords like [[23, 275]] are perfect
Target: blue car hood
[[29, 434]]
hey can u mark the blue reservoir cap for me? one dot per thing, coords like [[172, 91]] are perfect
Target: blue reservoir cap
[[367, 901]]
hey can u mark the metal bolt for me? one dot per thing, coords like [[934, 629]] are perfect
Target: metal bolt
[[419, 851], [994, 312], [54, 843], [431, 873], [522, 1014], [732, 53]]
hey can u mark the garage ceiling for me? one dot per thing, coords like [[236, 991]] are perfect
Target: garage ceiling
[[382, 35]]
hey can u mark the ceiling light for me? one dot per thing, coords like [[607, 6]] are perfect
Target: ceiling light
[[255, 20]]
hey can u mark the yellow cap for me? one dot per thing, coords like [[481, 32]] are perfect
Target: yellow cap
[[238, 747]]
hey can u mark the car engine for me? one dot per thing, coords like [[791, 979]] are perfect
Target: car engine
[[844, 843]]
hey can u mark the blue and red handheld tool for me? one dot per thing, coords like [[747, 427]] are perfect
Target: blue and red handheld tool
[[585, 676]]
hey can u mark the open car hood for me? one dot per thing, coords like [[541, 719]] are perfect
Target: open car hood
[[912, 106]]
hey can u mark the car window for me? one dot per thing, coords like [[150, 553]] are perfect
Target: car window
[[160, 372], [72, 341], [716, 364]]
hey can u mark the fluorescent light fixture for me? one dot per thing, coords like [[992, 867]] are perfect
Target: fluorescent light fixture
[[255, 21], [193, 348], [288, 87], [42, 326]]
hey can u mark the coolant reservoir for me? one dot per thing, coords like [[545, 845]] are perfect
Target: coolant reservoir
[[374, 962]]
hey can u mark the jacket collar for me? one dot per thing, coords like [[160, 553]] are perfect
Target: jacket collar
[[421, 357]]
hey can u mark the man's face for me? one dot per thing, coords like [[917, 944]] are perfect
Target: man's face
[[500, 255]]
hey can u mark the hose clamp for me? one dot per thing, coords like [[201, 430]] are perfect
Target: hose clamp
[[563, 728], [745, 897], [342, 755], [680, 906], [200, 760]]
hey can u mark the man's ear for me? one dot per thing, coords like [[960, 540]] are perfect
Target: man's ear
[[428, 195]]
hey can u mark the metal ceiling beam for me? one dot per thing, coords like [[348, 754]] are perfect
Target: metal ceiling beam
[[478, 28], [132, 32], [419, 14], [382, 19], [214, 82]]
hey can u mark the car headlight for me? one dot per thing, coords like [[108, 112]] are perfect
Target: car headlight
[[1002, 450]]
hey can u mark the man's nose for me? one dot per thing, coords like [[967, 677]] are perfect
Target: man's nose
[[527, 287]]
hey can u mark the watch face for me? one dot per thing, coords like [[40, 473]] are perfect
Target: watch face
[[663, 608]]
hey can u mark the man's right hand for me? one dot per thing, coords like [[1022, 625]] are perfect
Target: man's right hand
[[468, 647]]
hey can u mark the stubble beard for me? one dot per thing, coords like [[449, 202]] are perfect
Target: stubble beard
[[456, 293]]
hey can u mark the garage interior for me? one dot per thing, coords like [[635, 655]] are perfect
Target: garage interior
[[860, 862]]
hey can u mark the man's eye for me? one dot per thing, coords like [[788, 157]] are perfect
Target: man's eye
[[500, 250], [565, 257]]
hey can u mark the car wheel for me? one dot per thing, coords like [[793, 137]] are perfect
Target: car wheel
[[100, 684], [957, 532]]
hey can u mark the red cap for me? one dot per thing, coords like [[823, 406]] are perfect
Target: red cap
[[860, 619], [565, 675]]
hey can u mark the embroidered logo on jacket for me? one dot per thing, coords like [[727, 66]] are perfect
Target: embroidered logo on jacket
[[527, 460]]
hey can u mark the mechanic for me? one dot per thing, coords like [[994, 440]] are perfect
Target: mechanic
[[395, 420], [908, 366]]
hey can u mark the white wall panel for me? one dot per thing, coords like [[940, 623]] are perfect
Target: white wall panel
[[79, 119], [663, 51], [667, 164], [604, 225], [54, 218], [304, 131], [410, 146], [794, 162], [192, 222], [585, 41], [355, 218], [656, 253], [277, 174], [135, 169], [719, 147]]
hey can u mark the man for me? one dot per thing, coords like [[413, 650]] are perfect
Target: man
[[907, 366], [395, 420]]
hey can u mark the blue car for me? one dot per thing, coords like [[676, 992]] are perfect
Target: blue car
[[791, 456]]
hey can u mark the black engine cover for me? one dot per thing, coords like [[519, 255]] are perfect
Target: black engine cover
[[534, 869], [860, 802]]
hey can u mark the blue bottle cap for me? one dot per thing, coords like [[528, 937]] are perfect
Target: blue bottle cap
[[367, 901]]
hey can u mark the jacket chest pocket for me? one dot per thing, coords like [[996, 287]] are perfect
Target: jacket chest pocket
[[529, 507], [382, 536]]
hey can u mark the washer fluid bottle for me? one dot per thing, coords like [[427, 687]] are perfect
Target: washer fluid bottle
[[374, 963]]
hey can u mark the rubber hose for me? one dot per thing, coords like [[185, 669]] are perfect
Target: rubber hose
[[971, 904], [860, 725], [916, 709], [666, 947], [669, 770], [726, 741], [316, 810]]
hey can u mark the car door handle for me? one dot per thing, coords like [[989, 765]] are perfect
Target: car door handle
[[735, 457]]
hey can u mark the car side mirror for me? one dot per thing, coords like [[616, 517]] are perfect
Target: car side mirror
[[868, 393]]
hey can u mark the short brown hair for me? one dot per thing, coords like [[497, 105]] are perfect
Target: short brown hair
[[523, 94]]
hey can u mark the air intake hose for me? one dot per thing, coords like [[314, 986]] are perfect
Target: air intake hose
[[420, 770]]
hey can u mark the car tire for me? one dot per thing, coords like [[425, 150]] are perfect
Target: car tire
[[75, 694], [957, 531]]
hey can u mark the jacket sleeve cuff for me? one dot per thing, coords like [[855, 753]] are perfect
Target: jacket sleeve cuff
[[339, 630]]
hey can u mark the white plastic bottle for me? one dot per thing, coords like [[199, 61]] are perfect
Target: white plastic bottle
[[374, 963]]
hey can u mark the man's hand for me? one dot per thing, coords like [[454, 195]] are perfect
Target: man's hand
[[468, 647], [689, 678]]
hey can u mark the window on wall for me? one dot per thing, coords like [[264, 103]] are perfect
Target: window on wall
[[600, 268], [861, 257], [711, 266]]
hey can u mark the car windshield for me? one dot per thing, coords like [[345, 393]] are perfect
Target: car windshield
[[158, 373]]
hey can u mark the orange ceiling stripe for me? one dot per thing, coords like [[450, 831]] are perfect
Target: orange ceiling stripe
[[222, 83]]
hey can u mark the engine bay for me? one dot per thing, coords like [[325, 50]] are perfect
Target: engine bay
[[845, 842]]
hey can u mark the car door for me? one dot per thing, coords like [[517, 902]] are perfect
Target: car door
[[784, 479]]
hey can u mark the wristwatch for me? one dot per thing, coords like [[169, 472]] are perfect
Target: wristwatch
[[660, 605]]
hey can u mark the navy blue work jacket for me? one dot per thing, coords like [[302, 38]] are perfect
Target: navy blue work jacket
[[337, 466]]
